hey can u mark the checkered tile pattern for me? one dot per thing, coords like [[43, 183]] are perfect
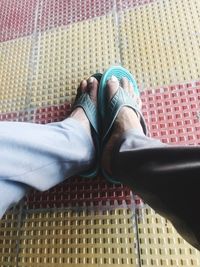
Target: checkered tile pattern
[[46, 49]]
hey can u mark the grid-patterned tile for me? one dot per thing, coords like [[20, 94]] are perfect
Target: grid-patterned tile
[[14, 69], [80, 192], [55, 13], [172, 113], [17, 18], [160, 42], [51, 114], [72, 238], [64, 56], [15, 116], [8, 239], [160, 244], [128, 4]]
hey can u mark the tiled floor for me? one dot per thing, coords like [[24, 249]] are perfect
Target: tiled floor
[[46, 48]]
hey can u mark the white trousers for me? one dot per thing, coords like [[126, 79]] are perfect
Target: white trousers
[[40, 156]]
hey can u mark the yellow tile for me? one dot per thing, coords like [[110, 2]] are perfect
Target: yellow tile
[[66, 238], [161, 245], [160, 42], [8, 239], [14, 68], [66, 55]]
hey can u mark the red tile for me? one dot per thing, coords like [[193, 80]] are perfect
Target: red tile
[[51, 114], [14, 116], [177, 119], [17, 18], [56, 13], [81, 192]]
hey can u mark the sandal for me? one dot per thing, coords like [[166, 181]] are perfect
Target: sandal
[[109, 110], [83, 100]]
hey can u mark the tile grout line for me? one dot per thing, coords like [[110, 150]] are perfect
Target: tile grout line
[[91, 209], [134, 208], [19, 222], [27, 108], [117, 23], [137, 237], [31, 61]]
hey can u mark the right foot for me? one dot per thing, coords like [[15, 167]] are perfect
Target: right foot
[[126, 119], [91, 87]]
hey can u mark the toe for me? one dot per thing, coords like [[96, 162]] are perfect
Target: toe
[[83, 86], [112, 86], [128, 86], [131, 89], [125, 84], [92, 87]]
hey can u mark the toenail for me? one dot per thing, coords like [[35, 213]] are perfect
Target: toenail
[[91, 80], [113, 78]]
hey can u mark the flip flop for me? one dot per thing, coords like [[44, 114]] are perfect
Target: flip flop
[[109, 110], [84, 101]]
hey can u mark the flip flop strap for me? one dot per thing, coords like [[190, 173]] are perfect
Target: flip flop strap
[[90, 109], [119, 100]]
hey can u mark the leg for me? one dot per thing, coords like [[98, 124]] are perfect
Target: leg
[[166, 177], [41, 156]]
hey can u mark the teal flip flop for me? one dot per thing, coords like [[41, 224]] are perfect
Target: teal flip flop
[[109, 110], [83, 100]]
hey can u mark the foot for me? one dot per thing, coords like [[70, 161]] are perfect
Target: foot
[[126, 119], [91, 87]]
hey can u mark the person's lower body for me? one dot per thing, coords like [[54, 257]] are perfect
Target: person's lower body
[[42, 156]]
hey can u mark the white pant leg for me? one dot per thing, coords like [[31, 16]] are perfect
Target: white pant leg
[[41, 156]]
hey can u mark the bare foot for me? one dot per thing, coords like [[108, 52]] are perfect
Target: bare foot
[[91, 87], [126, 119]]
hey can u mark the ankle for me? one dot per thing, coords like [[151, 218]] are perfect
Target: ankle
[[127, 119], [79, 115]]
